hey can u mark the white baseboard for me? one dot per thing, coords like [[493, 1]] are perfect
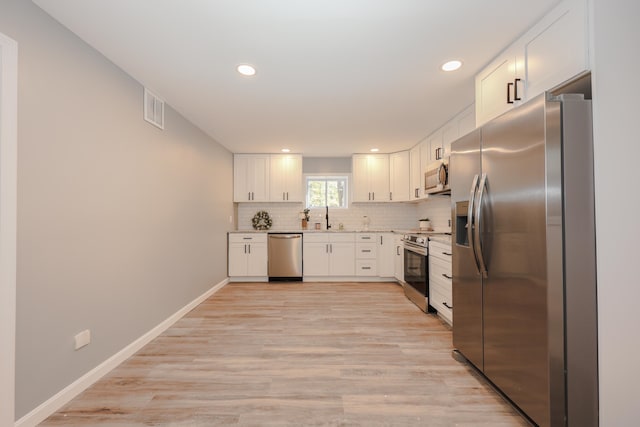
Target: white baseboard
[[367, 279], [65, 395]]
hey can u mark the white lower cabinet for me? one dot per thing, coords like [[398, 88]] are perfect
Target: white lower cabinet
[[386, 254], [325, 254], [398, 258], [328, 254], [440, 279], [248, 256], [366, 254]]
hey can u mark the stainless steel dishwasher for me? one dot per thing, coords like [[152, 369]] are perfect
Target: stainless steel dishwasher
[[285, 256]]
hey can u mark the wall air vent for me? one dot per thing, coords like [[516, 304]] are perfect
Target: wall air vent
[[153, 109]]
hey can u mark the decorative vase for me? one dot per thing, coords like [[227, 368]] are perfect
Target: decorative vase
[[304, 224]]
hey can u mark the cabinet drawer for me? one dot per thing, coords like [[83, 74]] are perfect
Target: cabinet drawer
[[341, 237], [366, 237], [440, 250], [440, 268], [440, 285], [248, 238], [365, 267], [366, 250], [315, 238], [443, 305]]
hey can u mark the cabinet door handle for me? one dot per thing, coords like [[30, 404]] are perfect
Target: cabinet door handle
[[446, 253], [380, 239], [447, 276], [398, 250], [245, 249], [366, 268], [373, 196], [287, 195], [390, 196], [515, 90], [417, 193], [365, 237], [509, 101], [249, 195], [366, 250], [249, 248], [450, 307]]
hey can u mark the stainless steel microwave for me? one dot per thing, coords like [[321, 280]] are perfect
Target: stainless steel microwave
[[436, 178]]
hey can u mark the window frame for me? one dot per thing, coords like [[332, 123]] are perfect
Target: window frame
[[327, 177]]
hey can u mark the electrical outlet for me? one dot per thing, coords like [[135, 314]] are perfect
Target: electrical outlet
[[83, 338], [230, 219]]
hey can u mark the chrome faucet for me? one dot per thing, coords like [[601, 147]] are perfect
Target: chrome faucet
[[327, 218]]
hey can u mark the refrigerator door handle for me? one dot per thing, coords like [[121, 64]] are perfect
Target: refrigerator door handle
[[470, 222], [478, 218]]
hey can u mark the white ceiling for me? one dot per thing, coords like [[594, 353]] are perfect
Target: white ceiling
[[334, 76]]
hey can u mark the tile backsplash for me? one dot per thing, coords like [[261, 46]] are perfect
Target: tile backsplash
[[382, 216]]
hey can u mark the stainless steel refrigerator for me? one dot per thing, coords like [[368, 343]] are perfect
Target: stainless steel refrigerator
[[524, 280]]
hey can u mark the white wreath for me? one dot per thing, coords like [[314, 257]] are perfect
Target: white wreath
[[262, 221]]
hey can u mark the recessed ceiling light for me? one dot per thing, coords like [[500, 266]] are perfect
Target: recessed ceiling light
[[451, 65], [374, 150], [246, 70], [285, 150]]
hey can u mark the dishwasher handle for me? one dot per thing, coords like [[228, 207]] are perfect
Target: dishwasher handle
[[285, 236]]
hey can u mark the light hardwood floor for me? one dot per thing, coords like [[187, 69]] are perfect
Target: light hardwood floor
[[295, 354]]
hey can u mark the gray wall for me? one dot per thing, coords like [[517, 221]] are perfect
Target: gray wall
[[326, 165], [120, 224], [617, 150]]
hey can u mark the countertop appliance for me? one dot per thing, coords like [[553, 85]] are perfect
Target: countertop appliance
[[524, 280], [284, 256]]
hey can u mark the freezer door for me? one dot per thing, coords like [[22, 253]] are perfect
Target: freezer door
[[464, 171], [514, 243]]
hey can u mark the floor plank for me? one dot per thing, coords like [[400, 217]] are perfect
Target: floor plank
[[295, 354]]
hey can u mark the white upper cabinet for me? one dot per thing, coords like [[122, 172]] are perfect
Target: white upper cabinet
[[399, 169], [557, 48], [450, 133], [285, 178], [466, 123], [551, 52], [370, 177], [434, 144], [500, 85], [251, 177], [415, 173]]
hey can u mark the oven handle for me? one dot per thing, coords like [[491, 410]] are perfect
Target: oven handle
[[470, 221]]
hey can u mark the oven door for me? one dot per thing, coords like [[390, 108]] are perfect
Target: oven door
[[416, 277]]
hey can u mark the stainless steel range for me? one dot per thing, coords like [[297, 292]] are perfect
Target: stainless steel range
[[416, 269]]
